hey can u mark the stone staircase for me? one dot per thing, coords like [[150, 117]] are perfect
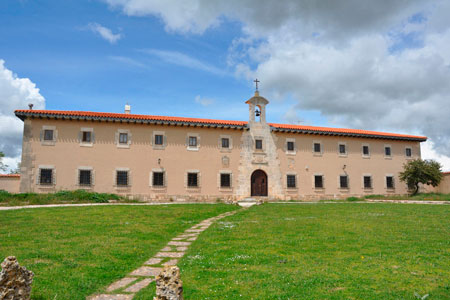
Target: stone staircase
[[250, 201]]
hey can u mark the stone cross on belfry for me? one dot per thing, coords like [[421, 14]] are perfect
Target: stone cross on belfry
[[256, 82]]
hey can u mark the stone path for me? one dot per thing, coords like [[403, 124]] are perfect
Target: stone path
[[125, 288]]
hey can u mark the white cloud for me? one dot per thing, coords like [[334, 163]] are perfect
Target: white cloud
[[127, 60], [15, 93], [204, 101], [429, 153], [104, 32]]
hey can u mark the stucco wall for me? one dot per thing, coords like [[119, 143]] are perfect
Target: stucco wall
[[443, 187], [10, 183]]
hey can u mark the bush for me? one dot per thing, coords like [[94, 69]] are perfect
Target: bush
[[354, 199]]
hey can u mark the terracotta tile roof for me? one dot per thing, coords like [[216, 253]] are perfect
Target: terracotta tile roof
[[87, 115], [9, 175], [446, 173]]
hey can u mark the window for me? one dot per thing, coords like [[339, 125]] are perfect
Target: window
[[390, 182], [46, 176], [367, 182], [192, 180], [387, 151], [159, 139], [342, 149], [258, 144], [85, 177], [290, 181], [86, 137], [192, 141], [225, 180], [365, 150], [123, 138], [122, 178], [48, 135], [343, 181], [318, 181], [317, 148], [158, 179], [408, 152], [290, 146], [225, 143]]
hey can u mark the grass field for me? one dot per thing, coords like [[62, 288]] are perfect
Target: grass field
[[322, 251], [75, 252]]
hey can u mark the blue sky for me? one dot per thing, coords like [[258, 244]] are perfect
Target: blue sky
[[381, 65]]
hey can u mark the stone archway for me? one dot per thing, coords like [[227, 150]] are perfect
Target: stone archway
[[259, 183]]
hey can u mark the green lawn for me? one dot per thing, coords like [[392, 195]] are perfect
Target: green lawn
[[77, 251], [322, 251]]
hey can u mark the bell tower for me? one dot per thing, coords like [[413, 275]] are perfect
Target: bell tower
[[257, 108]]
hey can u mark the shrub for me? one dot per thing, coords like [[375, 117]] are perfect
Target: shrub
[[354, 199]]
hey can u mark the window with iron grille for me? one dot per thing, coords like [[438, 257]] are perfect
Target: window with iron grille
[[290, 146], [158, 178], [48, 135], [389, 182], [192, 141], [85, 177], [159, 139], [318, 181], [365, 150], [258, 144], [342, 149], [343, 179], [86, 137], [387, 151], [317, 148], [46, 176], [367, 182], [225, 180], [408, 152], [192, 180], [122, 178], [291, 182], [225, 143], [123, 138]]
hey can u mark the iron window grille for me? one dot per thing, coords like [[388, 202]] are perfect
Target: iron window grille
[[408, 152], [87, 137], [123, 138], [318, 181], [258, 144], [46, 176], [85, 177], [291, 182], [290, 146], [342, 149], [159, 139], [122, 178], [225, 143], [158, 178], [48, 135], [366, 150], [317, 148], [192, 180], [367, 182], [225, 180], [389, 182], [387, 151], [343, 179], [192, 141]]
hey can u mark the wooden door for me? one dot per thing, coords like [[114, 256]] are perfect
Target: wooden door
[[259, 183]]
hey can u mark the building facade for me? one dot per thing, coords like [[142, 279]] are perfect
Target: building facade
[[156, 158]]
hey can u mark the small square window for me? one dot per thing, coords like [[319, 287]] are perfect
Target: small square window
[[225, 143], [318, 181], [408, 152], [87, 137], [48, 135], [389, 182], [123, 138], [159, 139], [85, 177], [122, 178], [225, 180], [46, 176], [158, 178], [367, 182], [290, 146], [258, 144], [366, 150], [317, 147], [387, 151], [192, 180], [192, 141], [343, 180], [291, 181], [342, 149]]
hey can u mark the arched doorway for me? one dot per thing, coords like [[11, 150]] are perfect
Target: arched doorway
[[259, 183]]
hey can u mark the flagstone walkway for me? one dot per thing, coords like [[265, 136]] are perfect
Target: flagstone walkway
[[125, 288]]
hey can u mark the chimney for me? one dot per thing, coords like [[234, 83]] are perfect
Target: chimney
[[127, 108], [30, 106]]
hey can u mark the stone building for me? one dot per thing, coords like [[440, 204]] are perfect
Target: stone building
[[184, 159]]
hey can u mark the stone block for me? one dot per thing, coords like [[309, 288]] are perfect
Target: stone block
[[15, 281], [169, 285]]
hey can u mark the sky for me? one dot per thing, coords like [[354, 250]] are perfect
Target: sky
[[376, 65]]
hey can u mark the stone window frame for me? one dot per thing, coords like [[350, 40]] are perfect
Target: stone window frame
[[321, 148], [384, 151], [371, 182], [224, 188], [393, 182], [411, 149], [362, 150], [123, 146], [314, 182], [193, 134], [77, 178], [339, 149], [158, 170], [199, 181], [290, 152], [339, 182], [80, 136], [48, 142], [263, 144], [296, 181], [129, 183], [230, 143], [155, 146], [38, 176]]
